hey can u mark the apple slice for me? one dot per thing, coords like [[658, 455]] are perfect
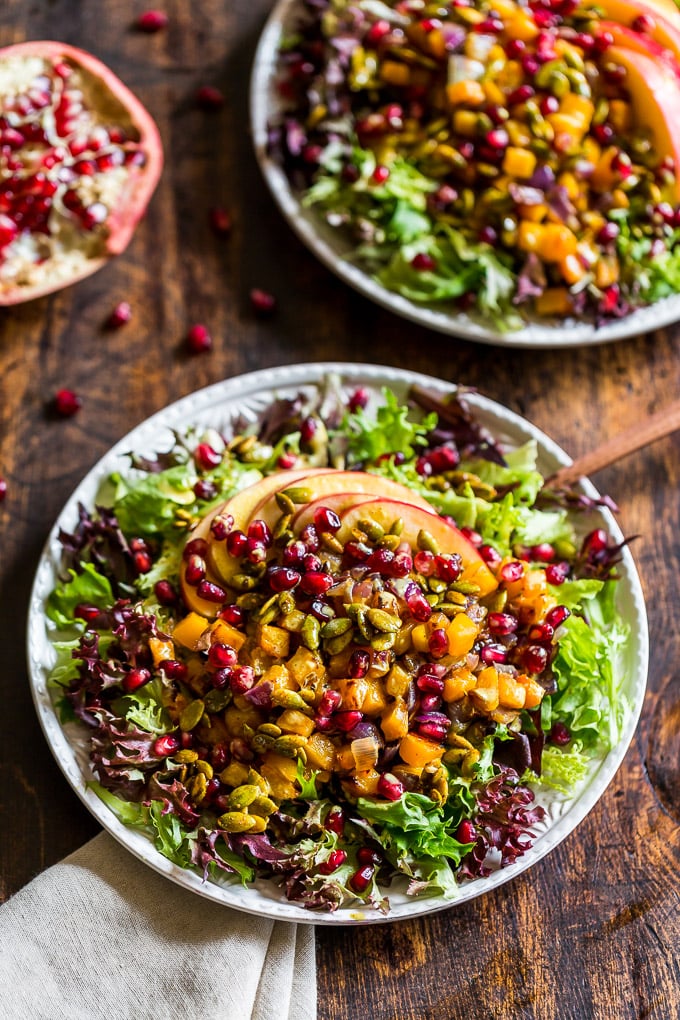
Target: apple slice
[[666, 29], [189, 592], [645, 44], [449, 539], [655, 95]]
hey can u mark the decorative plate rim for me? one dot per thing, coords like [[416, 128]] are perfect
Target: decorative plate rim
[[327, 246], [222, 401]]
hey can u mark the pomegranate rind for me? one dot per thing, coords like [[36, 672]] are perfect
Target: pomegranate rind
[[141, 183]]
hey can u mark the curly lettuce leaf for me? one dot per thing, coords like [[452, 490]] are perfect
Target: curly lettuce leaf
[[389, 432], [413, 825], [87, 588]]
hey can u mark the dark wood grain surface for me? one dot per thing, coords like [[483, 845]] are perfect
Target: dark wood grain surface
[[593, 930]]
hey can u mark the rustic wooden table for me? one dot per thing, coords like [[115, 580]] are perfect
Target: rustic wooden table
[[593, 930]]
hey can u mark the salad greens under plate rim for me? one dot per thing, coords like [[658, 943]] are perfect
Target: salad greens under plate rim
[[247, 396], [330, 248]]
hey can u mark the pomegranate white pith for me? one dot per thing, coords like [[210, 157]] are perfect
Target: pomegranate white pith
[[79, 160]]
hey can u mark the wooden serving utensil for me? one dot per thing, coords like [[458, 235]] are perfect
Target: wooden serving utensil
[[661, 424]]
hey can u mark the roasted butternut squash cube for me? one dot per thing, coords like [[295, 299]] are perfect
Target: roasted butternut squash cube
[[274, 640], [352, 692], [394, 720], [189, 631], [418, 751], [458, 683], [228, 635], [511, 694], [305, 667], [374, 698], [461, 633], [294, 721], [281, 774], [161, 650], [320, 751]]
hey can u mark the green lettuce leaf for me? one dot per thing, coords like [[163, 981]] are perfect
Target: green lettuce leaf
[[413, 825], [89, 587], [391, 431]]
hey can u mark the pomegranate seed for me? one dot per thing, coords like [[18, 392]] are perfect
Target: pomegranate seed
[[143, 562], [310, 537], [512, 571], [293, 554], [67, 403], [367, 855], [335, 821], [466, 832], [377, 31], [283, 578], [424, 562], [152, 21], [596, 541], [121, 314], [381, 174], [559, 734], [242, 679], [209, 98], [199, 339], [423, 262], [308, 429], [358, 400], [438, 643], [542, 633], [221, 655], [210, 591], [493, 653], [221, 677], [492, 558], [501, 623], [165, 593], [256, 552], [220, 221], [487, 235], [361, 879], [556, 617], [206, 457], [335, 859], [534, 658], [514, 48], [430, 683], [326, 519], [135, 679], [174, 669], [286, 461], [530, 64], [165, 746], [346, 721], [544, 552], [258, 531], [237, 543], [205, 489], [87, 612], [262, 302], [195, 547], [418, 606], [233, 615], [448, 567], [357, 551], [359, 664], [521, 94], [330, 702], [557, 573], [549, 104], [316, 582], [430, 703], [194, 571], [433, 730]]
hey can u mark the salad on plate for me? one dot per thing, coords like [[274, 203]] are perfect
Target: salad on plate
[[519, 162], [347, 648]]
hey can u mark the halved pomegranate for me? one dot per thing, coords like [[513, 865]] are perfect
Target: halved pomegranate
[[79, 160]]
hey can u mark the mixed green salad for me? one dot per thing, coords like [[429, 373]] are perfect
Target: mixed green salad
[[341, 648]]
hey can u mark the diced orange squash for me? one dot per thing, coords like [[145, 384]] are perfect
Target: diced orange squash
[[569, 182], [236, 718], [557, 241], [511, 694], [161, 650], [397, 681], [465, 123], [281, 774], [279, 677], [294, 721], [228, 635], [534, 691], [394, 720], [465, 93], [620, 115], [485, 695], [362, 784], [571, 269], [603, 177], [554, 301], [419, 751], [344, 759], [189, 631], [420, 638], [436, 43], [374, 699], [519, 162], [458, 683], [461, 634], [305, 667], [521, 25], [533, 213], [274, 641], [607, 271], [529, 236], [395, 73], [352, 693], [320, 751], [492, 91], [581, 108]]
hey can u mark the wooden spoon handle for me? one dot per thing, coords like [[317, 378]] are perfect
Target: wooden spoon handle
[[661, 424]]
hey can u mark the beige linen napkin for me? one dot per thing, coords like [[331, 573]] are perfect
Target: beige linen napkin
[[101, 935]]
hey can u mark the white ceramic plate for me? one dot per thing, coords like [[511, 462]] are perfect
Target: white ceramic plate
[[217, 406], [328, 245]]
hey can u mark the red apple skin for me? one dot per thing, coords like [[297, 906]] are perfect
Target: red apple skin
[[415, 519], [142, 181], [655, 95]]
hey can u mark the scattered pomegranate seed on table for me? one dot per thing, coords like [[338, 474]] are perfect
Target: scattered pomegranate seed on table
[[262, 302], [152, 21], [199, 339], [3, 489], [220, 220], [67, 403], [121, 314], [209, 98]]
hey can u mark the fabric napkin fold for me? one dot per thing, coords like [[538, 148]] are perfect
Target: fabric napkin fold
[[102, 935]]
